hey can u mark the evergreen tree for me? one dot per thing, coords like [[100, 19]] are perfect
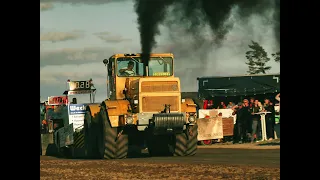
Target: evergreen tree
[[252, 66], [276, 56], [257, 59]]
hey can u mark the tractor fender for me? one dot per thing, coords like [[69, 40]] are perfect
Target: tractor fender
[[94, 110], [116, 108], [188, 106]]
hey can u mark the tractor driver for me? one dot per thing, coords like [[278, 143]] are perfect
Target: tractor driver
[[128, 71]]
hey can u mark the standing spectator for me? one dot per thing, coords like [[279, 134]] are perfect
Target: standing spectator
[[230, 105], [256, 123], [270, 118], [260, 106], [247, 118], [207, 104], [252, 99], [239, 133], [222, 105]]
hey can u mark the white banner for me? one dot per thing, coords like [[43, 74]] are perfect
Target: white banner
[[210, 128]]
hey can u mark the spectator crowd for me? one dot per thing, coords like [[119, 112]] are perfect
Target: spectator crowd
[[248, 123]]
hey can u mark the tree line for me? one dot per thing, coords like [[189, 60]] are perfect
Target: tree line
[[257, 59]]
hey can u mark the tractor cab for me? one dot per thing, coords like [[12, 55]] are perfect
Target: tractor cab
[[124, 68]]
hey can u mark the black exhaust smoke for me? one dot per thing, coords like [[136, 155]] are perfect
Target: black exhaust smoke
[[196, 13], [150, 14]]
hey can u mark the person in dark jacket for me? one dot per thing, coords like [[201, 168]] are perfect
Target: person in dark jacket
[[252, 99], [242, 112], [238, 130], [256, 123], [270, 118], [247, 119]]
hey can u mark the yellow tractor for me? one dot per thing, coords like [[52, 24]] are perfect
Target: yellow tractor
[[144, 109]]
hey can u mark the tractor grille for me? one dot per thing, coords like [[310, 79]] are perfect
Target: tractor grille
[[159, 86], [156, 103]]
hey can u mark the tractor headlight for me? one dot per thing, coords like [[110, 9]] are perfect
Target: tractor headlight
[[192, 119], [129, 119]]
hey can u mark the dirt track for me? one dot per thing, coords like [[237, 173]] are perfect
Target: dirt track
[[209, 163]]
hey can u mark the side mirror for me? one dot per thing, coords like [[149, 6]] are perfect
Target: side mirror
[[105, 62]]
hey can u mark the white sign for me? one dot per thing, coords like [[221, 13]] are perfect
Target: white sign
[[76, 115], [210, 128], [77, 120], [226, 113], [204, 112]]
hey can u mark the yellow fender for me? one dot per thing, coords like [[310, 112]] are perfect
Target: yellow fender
[[94, 110], [188, 106], [116, 108]]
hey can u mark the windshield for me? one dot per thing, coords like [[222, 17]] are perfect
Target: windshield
[[132, 66]]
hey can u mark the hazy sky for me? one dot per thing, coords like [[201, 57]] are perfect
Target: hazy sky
[[75, 37]]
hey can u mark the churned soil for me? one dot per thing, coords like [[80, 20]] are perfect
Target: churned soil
[[218, 161], [154, 168]]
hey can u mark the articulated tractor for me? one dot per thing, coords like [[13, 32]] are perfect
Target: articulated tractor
[[144, 109]]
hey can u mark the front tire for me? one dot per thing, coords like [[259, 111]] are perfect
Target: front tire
[[192, 145], [186, 142]]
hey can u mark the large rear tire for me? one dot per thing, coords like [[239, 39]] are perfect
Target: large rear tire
[[110, 146]]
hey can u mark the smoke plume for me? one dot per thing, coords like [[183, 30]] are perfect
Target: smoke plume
[[150, 14], [194, 15]]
